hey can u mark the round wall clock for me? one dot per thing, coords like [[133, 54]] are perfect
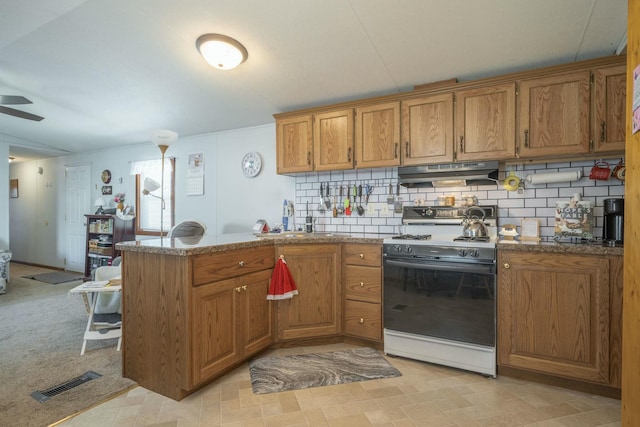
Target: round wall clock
[[251, 164], [106, 176]]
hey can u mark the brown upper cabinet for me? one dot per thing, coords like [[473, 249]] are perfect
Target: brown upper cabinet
[[554, 115], [609, 95], [486, 123], [333, 140], [378, 135], [427, 130], [294, 144], [559, 112]]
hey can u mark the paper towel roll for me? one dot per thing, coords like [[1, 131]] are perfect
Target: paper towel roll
[[547, 178]]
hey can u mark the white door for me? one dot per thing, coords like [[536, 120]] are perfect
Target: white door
[[78, 184]]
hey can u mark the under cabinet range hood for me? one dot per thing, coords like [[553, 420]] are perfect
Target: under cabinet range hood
[[449, 175]]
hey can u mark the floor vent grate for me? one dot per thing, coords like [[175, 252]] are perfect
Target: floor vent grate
[[43, 396]]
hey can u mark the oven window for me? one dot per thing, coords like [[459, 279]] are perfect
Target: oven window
[[452, 305]]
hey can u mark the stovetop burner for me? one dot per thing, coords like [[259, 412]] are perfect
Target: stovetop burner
[[482, 239], [413, 236]]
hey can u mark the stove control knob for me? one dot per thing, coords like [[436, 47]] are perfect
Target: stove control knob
[[427, 212], [462, 252], [474, 253], [397, 248], [408, 249]]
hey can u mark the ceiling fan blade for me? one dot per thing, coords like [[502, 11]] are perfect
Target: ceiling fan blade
[[13, 100], [21, 114]]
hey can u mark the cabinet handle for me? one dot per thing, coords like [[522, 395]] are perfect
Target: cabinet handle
[[507, 266], [361, 256], [603, 127], [361, 321], [395, 151], [241, 263], [526, 138], [244, 287], [362, 284], [462, 143], [407, 149], [238, 289], [349, 154], [308, 157]]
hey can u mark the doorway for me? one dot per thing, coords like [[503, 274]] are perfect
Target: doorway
[[78, 189]]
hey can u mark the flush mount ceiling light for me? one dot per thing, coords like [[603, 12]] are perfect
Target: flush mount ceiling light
[[220, 51]]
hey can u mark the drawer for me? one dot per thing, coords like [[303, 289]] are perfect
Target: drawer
[[363, 319], [223, 265], [363, 283], [363, 254]]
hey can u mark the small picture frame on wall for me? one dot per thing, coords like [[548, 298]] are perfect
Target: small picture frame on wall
[[106, 190], [13, 188]]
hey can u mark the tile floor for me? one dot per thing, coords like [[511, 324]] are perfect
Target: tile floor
[[426, 395]]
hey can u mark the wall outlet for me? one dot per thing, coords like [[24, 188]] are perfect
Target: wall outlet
[[384, 209], [371, 208]]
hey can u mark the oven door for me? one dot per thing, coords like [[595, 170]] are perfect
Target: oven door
[[449, 300]]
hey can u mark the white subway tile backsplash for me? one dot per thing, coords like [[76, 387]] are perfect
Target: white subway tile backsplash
[[536, 201]]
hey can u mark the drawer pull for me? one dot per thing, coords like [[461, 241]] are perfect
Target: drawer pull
[[361, 321], [241, 288], [507, 266], [361, 256], [241, 263], [362, 284]]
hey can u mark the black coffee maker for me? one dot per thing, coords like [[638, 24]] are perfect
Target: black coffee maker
[[613, 232]]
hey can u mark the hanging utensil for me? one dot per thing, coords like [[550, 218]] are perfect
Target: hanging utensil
[[327, 200], [335, 208], [397, 207], [341, 203], [360, 208], [369, 190], [321, 203], [390, 198], [347, 203]]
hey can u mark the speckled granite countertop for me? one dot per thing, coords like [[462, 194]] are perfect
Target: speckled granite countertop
[[565, 248], [224, 242]]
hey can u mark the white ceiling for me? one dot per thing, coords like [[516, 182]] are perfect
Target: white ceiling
[[107, 73]]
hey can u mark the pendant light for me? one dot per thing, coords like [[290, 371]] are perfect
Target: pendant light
[[221, 52]]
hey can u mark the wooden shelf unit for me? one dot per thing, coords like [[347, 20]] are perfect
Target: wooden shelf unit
[[113, 230]]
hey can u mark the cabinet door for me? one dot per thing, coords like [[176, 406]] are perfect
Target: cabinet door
[[378, 135], [215, 328], [294, 144], [486, 123], [609, 93], [316, 310], [554, 115], [255, 312], [553, 314], [333, 140], [427, 130]]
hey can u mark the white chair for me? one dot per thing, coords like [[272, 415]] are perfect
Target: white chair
[[105, 309], [187, 228]]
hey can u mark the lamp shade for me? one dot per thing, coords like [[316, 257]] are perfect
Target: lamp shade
[[150, 185], [163, 137], [221, 52], [100, 202]]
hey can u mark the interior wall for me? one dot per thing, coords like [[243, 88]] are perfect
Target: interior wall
[[4, 195], [536, 201], [231, 202]]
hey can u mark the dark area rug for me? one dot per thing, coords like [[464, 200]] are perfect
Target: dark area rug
[[55, 277], [275, 374]]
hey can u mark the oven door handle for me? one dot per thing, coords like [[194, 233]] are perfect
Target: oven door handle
[[460, 267]]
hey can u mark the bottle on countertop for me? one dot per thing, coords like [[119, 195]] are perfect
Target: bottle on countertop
[[285, 215]]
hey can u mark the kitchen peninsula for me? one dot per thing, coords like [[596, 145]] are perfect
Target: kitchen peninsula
[[195, 307]]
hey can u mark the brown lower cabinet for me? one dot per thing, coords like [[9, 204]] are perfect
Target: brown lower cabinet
[[559, 315], [316, 311]]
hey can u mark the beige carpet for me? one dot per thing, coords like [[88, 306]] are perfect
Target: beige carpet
[[40, 341]]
